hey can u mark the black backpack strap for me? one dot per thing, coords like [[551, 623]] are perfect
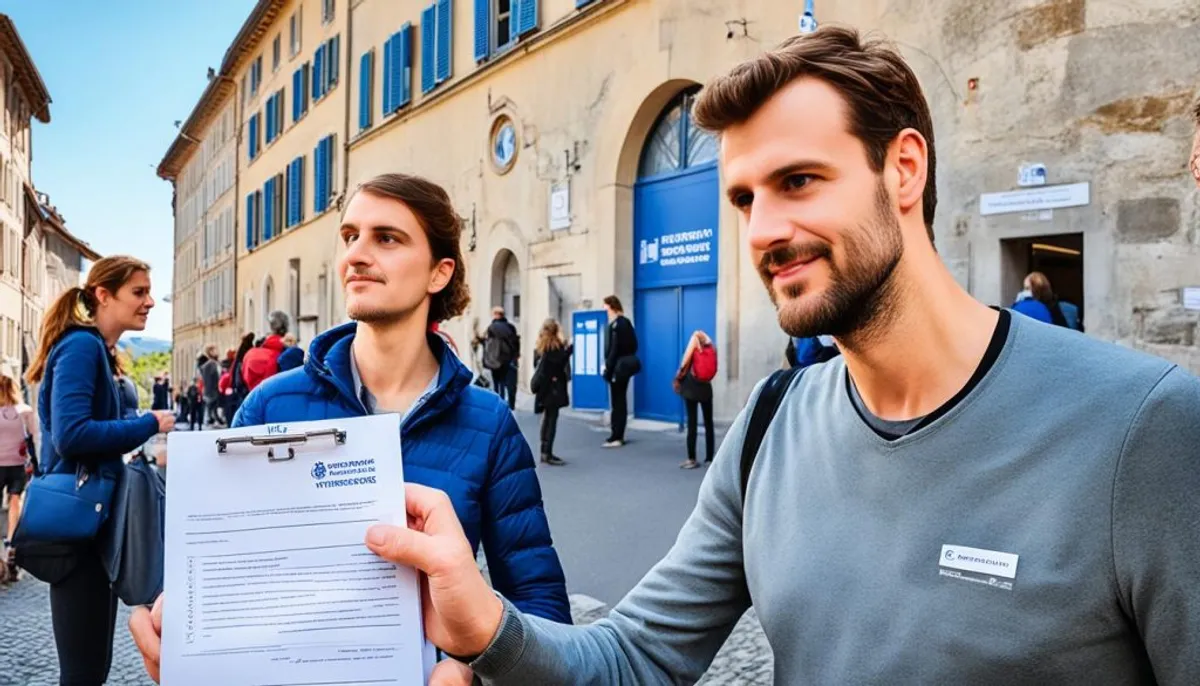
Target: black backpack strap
[[764, 411]]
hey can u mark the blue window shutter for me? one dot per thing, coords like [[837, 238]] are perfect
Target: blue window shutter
[[270, 119], [365, 70], [387, 75], [404, 53], [527, 16], [582, 3], [483, 22], [301, 164], [297, 90], [250, 221], [307, 94], [445, 29], [318, 73], [335, 47], [268, 208], [289, 195], [428, 33], [253, 134], [318, 172]]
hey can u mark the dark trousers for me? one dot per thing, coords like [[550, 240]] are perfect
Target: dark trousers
[[706, 408], [549, 429], [620, 407], [196, 420], [83, 611], [214, 414], [505, 381]]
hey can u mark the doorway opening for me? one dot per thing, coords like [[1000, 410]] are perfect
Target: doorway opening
[[1059, 257]]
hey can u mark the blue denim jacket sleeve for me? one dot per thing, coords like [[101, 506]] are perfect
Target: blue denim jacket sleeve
[[79, 430]]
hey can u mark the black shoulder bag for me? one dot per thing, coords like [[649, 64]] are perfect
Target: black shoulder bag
[[765, 407]]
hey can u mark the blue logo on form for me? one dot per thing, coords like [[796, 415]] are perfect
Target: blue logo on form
[[318, 471]]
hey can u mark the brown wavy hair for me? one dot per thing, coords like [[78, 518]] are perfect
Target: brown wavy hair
[[882, 94], [550, 337], [10, 394], [77, 307], [443, 228]]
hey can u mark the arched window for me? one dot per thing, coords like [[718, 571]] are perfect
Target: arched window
[[675, 143]]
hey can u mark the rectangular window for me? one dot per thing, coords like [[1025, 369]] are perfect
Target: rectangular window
[[323, 168], [250, 231], [255, 75], [500, 23], [327, 10], [253, 135], [276, 52], [366, 83], [300, 93], [325, 67], [295, 191], [397, 70], [294, 32]]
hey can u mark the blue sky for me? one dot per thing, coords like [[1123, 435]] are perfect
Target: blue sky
[[119, 74]]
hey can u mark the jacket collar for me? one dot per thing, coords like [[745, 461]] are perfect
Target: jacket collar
[[328, 364]]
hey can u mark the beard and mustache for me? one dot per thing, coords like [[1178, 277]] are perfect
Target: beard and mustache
[[861, 288]]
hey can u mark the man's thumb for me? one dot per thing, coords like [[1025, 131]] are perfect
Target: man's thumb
[[399, 544]]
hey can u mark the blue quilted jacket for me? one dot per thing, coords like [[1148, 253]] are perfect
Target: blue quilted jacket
[[460, 439]]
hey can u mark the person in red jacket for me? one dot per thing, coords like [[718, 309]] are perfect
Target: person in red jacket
[[262, 363]]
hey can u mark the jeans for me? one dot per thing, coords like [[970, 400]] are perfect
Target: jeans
[[620, 408], [706, 407], [197, 416], [83, 611], [549, 429], [505, 381]]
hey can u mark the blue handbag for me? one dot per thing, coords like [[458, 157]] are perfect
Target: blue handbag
[[65, 507]]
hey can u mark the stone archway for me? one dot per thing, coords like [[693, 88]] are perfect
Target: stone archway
[[506, 284]]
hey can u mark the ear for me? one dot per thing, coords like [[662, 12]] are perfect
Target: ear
[[442, 273], [911, 162], [102, 295]]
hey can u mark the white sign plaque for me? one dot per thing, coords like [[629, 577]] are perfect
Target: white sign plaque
[[560, 206], [1191, 297], [1036, 199]]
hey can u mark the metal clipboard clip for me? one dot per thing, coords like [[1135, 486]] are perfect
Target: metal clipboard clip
[[290, 440]]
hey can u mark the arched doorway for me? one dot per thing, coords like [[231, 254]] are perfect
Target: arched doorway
[[675, 219], [506, 285]]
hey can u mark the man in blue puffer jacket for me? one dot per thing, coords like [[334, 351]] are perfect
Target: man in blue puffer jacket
[[401, 270]]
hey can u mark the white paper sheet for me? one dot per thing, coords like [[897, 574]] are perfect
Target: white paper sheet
[[267, 577]]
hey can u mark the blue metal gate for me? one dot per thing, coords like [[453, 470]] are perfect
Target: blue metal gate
[[675, 240]]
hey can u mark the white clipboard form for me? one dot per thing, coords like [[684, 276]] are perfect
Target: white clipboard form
[[268, 580]]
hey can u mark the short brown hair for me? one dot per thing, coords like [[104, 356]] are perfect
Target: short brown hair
[[882, 93], [614, 303], [443, 228]]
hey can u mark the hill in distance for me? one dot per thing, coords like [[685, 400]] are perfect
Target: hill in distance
[[136, 346]]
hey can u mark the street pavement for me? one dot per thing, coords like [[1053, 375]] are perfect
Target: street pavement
[[613, 514]]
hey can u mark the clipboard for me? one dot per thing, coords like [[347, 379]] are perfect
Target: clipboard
[[268, 579]]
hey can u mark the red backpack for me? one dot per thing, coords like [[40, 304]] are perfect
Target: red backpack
[[704, 363]]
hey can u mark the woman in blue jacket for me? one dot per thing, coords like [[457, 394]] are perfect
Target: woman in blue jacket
[[80, 410]]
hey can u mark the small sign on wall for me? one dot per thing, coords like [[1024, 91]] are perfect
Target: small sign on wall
[[1031, 174], [1191, 298], [560, 206], [1036, 199]]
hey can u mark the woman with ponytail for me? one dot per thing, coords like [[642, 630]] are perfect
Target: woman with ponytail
[[81, 425]]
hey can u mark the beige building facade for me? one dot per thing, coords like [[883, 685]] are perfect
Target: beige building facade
[[23, 97], [202, 165], [562, 130]]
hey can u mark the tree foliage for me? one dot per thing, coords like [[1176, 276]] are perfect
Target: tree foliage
[[143, 370]]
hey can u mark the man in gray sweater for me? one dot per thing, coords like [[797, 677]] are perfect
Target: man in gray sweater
[[965, 496]]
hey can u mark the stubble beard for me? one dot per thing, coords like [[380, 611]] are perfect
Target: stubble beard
[[858, 302]]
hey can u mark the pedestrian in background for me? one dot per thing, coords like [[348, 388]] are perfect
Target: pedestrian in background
[[16, 422], [693, 382], [620, 365], [292, 355], [552, 370], [1038, 301], [81, 425], [501, 349]]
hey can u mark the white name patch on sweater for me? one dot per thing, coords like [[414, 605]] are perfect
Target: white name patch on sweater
[[980, 565]]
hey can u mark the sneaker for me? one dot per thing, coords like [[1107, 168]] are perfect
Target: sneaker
[[613, 444], [689, 464], [553, 461]]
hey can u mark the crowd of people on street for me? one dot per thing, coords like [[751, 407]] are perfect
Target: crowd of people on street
[[870, 444]]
